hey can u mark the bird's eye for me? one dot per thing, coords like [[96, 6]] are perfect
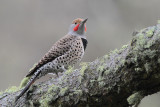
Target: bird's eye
[[75, 23]]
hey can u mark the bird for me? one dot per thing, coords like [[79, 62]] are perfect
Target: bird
[[66, 52]]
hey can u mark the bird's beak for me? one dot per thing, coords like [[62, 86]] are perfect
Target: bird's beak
[[82, 23]]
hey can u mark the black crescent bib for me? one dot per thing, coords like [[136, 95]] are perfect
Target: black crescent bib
[[85, 42]]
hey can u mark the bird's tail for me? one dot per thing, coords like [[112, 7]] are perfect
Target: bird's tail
[[31, 81]]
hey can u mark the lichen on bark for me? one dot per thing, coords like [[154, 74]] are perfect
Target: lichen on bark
[[119, 79]]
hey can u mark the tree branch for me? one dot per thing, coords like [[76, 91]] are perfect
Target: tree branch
[[121, 78]]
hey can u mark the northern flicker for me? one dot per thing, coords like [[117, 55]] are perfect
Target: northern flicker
[[64, 53]]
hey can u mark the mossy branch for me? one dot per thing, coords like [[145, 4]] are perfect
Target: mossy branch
[[119, 79]]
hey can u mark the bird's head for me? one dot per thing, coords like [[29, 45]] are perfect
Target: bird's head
[[78, 27]]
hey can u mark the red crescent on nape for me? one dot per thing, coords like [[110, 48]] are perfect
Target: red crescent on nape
[[85, 28], [76, 28]]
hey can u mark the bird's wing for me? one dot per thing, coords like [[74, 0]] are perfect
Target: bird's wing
[[58, 49]]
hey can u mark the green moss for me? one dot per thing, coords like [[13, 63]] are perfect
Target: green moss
[[123, 61], [135, 58], [66, 98], [102, 60], [100, 68], [101, 84], [159, 60], [70, 70], [50, 88], [147, 67], [78, 93], [149, 44], [114, 51], [49, 97], [134, 98], [41, 90], [157, 76], [1, 92], [24, 82], [150, 53], [63, 91], [106, 56], [107, 72], [138, 69], [45, 102], [123, 47], [150, 32], [30, 103], [100, 78], [83, 67], [140, 40], [12, 89]]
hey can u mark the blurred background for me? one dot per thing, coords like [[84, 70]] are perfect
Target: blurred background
[[28, 28]]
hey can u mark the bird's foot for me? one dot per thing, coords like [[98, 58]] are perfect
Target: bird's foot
[[57, 74], [63, 69]]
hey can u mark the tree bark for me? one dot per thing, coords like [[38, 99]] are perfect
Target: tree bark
[[121, 78]]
